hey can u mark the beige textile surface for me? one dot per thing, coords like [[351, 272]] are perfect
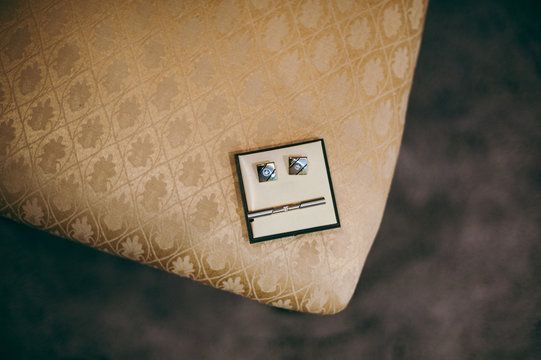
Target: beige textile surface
[[119, 120]]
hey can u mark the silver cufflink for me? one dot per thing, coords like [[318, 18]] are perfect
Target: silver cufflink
[[266, 172], [298, 165]]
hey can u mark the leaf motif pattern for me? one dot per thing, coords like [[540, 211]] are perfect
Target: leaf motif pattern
[[18, 42], [183, 267], [41, 115], [30, 77], [53, 151], [132, 248], [7, 135]]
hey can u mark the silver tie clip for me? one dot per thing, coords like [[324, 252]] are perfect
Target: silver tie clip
[[285, 208]]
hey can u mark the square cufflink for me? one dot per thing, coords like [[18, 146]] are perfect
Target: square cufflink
[[266, 172], [298, 165]]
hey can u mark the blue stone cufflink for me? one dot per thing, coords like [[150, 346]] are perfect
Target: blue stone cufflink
[[298, 165], [266, 172]]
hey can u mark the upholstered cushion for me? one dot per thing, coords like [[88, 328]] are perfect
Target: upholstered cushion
[[119, 121]]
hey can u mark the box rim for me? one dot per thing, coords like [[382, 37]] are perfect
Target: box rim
[[289, 233]]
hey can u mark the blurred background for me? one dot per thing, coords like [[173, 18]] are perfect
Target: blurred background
[[454, 273]]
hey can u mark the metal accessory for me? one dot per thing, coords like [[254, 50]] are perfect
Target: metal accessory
[[266, 172], [298, 165], [285, 208]]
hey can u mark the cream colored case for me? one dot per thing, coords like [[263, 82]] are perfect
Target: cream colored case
[[287, 191]]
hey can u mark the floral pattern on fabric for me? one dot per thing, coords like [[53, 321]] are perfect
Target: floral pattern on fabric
[[118, 121]]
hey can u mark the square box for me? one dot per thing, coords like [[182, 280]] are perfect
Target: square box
[[291, 205]]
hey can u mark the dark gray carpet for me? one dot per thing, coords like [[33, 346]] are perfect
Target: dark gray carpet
[[454, 272]]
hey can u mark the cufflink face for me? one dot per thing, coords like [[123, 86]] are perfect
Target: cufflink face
[[298, 165], [266, 172]]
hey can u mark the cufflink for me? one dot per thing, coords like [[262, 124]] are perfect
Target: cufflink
[[266, 172], [298, 165]]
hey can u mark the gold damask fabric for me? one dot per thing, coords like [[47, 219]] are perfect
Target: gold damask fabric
[[119, 121]]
